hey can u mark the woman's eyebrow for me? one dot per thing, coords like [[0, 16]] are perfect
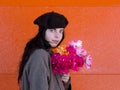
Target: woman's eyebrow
[[59, 29]]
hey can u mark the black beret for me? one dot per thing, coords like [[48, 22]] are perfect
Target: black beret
[[51, 20]]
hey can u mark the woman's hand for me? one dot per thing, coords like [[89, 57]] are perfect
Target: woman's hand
[[65, 78]]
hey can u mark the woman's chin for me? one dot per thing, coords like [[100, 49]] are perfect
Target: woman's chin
[[54, 45]]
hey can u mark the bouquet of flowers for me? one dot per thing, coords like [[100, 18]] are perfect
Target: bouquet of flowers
[[70, 57]]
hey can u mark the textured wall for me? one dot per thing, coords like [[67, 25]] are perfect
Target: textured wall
[[97, 27], [59, 2]]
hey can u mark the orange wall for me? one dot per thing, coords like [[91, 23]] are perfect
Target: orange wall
[[98, 28], [59, 2]]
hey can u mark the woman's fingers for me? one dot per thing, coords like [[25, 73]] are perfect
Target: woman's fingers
[[65, 77]]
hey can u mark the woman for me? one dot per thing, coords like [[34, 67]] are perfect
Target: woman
[[35, 72]]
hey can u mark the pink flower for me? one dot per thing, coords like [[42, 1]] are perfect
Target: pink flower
[[71, 49], [77, 62], [72, 57]]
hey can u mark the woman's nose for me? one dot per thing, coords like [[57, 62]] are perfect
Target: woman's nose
[[57, 35]]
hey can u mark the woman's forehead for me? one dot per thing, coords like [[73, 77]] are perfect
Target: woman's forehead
[[59, 28]]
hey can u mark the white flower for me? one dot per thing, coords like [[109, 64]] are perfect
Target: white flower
[[88, 61], [81, 52], [76, 44]]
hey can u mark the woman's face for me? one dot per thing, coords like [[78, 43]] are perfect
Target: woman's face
[[54, 36]]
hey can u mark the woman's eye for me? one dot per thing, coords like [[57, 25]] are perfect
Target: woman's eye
[[52, 30], [61, 31]]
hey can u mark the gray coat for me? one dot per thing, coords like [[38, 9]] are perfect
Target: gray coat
[[38, 75]]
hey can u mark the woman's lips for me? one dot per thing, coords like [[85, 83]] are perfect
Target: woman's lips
[[55, 41]]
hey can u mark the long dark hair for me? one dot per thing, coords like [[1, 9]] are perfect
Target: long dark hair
[[36, 43]]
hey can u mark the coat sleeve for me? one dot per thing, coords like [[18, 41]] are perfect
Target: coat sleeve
[[38, 75]]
